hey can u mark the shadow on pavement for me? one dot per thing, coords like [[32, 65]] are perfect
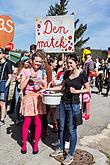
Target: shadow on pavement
[[16, 132], [50, 138]]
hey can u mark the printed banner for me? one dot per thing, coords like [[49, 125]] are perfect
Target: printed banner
[[6, 30], [55, 34]]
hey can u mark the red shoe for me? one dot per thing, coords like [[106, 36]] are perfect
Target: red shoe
[[86, 116]]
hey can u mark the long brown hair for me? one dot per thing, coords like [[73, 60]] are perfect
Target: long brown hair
[[45, 64], [19, 68]]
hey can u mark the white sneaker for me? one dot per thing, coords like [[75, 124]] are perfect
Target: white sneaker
[[68, 160], [56, 143], [67, 145], [57, 152]]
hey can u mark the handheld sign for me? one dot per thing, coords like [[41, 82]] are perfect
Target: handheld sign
[[6, 30], [55, 34]]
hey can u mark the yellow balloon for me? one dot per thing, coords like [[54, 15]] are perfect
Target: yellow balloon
[[85, 52]]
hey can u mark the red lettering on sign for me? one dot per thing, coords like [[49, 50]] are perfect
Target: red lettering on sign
[[53, 43], [49, 28]]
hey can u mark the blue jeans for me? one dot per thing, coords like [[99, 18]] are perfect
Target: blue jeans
[[70, 110], [4, 91]]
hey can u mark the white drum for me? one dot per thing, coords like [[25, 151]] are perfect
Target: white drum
[[52, 99]]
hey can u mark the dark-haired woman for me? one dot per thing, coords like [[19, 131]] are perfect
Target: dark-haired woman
[[72, 84]]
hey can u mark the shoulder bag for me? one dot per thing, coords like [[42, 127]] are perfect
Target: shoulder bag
[[3, 82]]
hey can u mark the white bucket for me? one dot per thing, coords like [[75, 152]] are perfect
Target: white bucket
[[52, 99]]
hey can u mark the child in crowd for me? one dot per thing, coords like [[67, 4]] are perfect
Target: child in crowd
[[31, 106]]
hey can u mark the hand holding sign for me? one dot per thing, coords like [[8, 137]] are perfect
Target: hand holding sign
[[6, 30]]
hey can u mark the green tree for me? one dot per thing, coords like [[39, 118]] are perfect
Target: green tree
[[78, 35], [58, 9], [61, 9]]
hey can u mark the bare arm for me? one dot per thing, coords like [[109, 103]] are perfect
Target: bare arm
[[24, 82], [85, 90], [57, 88]]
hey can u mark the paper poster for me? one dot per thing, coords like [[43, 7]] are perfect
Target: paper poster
[[55, 34]]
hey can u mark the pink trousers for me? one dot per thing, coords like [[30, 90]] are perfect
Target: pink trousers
[[25, 127]]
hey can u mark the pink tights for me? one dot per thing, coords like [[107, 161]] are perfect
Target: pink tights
[[26, 124]]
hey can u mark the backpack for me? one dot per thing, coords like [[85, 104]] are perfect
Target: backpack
[[91, 69]]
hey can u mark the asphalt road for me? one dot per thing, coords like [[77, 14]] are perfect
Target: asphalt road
[[99, 115], [10, 136]]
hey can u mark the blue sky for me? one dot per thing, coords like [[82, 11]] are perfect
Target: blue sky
[[95, 13]]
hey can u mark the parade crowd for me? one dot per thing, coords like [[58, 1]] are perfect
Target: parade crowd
[[36, 73]]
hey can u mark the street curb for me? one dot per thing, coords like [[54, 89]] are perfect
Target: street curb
[[99, 158]]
